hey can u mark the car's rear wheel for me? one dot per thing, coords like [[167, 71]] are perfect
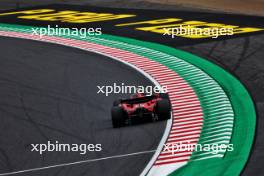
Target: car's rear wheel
[[164, 96], [116, 102], [118, 117], [163, 109]]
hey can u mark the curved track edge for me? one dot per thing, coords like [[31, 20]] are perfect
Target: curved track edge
[[243, 106]]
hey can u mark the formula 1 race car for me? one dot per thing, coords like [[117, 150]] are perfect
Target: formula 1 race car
[[141, 108]]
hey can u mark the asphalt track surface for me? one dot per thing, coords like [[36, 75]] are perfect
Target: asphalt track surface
[[108, 27], [48, 92]]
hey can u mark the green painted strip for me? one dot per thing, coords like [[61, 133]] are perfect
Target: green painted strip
[[245, 117]]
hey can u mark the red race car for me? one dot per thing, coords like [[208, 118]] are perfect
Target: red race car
[[141, 108]]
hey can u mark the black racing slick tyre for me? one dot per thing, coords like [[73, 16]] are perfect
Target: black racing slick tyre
[[164, 96], [163, 109], [116, 102], [118, 119]]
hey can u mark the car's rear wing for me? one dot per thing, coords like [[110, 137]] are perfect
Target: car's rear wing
[[139, 100]]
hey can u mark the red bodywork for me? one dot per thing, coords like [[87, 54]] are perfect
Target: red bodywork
[[148, 105], [141, 108]]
